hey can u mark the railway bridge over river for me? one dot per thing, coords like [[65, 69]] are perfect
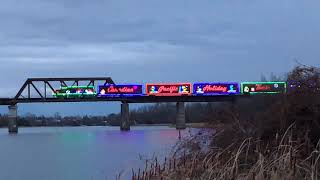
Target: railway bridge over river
[[39, 90]]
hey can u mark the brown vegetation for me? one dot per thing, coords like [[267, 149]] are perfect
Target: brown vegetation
[[263, 137]]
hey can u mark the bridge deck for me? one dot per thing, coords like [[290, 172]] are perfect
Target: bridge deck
[[133, 99]]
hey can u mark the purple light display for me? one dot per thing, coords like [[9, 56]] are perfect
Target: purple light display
[[216, 88], [120, 90]]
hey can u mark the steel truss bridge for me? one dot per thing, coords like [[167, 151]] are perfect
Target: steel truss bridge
[[37, 90]]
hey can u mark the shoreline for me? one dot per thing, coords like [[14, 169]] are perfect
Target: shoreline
[[188, 125]]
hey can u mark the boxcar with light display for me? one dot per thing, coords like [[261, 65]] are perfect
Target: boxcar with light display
[[112, 90], [169, 89], [263, 87], [227, 88], [75, 92]]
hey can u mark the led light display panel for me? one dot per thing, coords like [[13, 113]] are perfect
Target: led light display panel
[[216, 88], [263, 87], [169, 89], [75, 91], [120, 90]]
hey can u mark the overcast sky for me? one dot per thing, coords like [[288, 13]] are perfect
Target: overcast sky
[[152, 41]]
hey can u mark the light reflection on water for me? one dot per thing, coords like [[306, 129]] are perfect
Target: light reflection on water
[[80, 153]]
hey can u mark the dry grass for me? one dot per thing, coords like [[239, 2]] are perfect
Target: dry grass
[[279, 140], [248, 160]]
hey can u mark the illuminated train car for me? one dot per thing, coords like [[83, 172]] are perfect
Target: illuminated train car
[[263, 87], [112, 90], [208, 89], [75, 91], [169, 89]]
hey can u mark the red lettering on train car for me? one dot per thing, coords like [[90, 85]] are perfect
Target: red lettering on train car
[[214, 88]]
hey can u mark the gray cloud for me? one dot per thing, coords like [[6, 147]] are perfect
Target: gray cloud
[[143, 41]]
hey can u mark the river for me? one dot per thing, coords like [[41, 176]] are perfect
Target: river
[[80, 153]]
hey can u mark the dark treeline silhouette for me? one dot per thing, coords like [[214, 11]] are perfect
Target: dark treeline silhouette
[[165, 113], [31, 120], [161, 113]]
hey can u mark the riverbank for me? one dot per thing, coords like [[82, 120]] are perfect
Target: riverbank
[[193, 125], [266, 137], [286, 160]]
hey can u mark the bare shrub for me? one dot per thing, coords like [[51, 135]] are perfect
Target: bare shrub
[[264, 137]]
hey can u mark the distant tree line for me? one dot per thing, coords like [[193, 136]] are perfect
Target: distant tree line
[[165, 113], [161, 113], [31, 120]]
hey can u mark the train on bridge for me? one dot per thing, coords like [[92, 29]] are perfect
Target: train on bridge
[[170, 89], [104, 89]]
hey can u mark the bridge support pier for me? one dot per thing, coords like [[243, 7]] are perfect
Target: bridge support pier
[[125, 123], [13, 119], [180, 116]]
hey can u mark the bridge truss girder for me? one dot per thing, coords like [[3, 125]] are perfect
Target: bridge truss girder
[[48, 84]]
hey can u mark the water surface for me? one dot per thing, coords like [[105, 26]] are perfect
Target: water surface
[[80, 153]]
